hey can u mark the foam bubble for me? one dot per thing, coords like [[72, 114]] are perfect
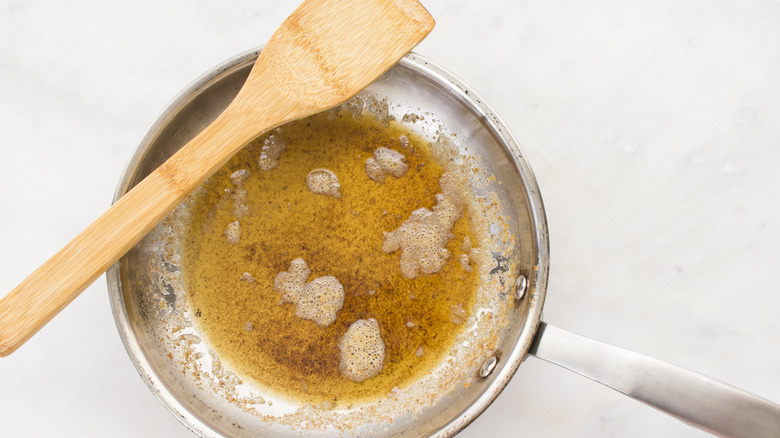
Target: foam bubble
[[362, 351], [423, 237], [322, 298], [239, 194], [458, 314], [375, 171], [465, 262], [270, 152], [467, 245], [323, 182], [380, 109], [354, 106], [386, 161], [391, 161], [318, 300], [239, 176], [233, 232], [240, 207], [466, 258]]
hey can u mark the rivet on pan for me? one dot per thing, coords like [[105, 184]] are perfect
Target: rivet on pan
[[520, 286], [488, 366]]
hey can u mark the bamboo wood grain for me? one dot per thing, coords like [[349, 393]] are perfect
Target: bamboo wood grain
[[322, 55]]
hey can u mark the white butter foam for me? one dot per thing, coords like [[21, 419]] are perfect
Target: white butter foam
[[233, 232], [318, 300], [270, 152], [423, 237], [323, 182], [386, 161], [362, 351]]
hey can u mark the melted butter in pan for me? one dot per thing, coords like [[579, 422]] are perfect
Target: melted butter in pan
[[259, 336]]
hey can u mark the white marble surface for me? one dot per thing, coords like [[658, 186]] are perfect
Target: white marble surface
[[653, 128]]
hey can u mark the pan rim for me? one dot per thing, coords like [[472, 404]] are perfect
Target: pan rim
[[508, 364]]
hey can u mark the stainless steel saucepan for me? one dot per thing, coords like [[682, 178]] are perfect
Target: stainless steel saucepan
[[177, 363]]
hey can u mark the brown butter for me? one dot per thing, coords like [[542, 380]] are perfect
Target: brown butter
[[295, 357]]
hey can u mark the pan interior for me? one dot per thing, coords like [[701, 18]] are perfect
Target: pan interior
[[149, 299]]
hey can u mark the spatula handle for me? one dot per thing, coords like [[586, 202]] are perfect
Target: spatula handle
[[38, 298], [323, 54]]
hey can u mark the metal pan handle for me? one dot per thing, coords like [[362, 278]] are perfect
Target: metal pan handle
[[695, 399]]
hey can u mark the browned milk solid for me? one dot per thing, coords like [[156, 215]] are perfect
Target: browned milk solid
[[281, 219]]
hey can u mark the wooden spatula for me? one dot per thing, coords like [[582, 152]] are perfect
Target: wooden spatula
[[323, 54]]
